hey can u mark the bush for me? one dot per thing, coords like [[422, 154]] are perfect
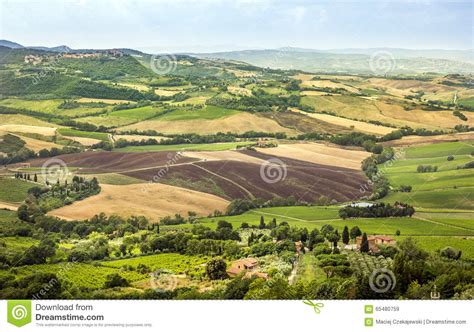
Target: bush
[[469, 165], [426, 169], [115, 280], [405, 188], [450, 158], [460, 115], [216, 269], [450, 253], [321, 249]]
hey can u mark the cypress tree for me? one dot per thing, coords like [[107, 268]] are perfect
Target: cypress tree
[[345, 235], [364, 246]]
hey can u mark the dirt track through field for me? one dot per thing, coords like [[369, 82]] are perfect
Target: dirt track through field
[[251, 196], [8, 206]]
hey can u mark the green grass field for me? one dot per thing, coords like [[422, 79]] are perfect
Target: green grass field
[[123, 117], [439, 150], [206, 113], [316, 217], [435, 243], [437, 180], [176, 263], [468, 102], [410, 165], [7, 216], [184, 147], [137, 114], [460, 198], [309, 270], [435, 230], [448, 187], [459, 219], [87, 134], [115, 179], [79, 274], [50, 106], [13, 190], [18, 243]]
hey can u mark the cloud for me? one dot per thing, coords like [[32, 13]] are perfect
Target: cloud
[[298, 13]]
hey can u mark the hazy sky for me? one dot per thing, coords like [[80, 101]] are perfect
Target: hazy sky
[[213, 25]]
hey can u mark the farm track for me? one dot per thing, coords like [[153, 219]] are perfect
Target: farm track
[[250, 195], [9, 206], [442, 224], [293, 218]]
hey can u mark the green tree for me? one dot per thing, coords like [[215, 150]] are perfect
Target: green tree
[[237, 288], [409, 264], [355, 232], [216, 269], [364, 246], [345, 235], [272, 224], [115, 280]]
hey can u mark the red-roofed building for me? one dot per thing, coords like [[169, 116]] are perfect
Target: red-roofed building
[[375, 241], [248, 266]]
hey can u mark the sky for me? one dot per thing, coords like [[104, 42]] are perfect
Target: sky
[[223, 25]]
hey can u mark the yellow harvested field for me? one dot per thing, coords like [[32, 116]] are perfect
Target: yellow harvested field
[[37, 145], [422, 140], [427, 119], [136, 86], [304, 77], [407, 87], [319, 153], [384, 110], [17, 119], [84, 140], [13, 128], [138, 137], [152, 200], [309, 77], [348, 123], [101, 100], [166, 93], [242, 73], [327, 84], [237, 123], [236, 90], [222, 155], [314, 93], [200, 100]]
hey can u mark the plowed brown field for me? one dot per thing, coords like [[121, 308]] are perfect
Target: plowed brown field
[[103, 161]]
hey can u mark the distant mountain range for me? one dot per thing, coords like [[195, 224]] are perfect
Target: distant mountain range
[[456, 55], [61, 48], [350, 60], [356, 61]]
